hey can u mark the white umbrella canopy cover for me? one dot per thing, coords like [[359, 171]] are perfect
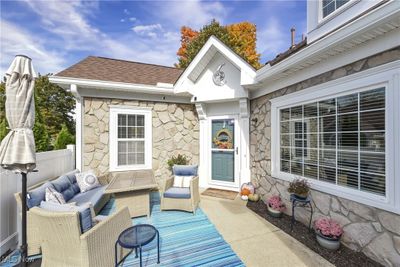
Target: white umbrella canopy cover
[[17, 149]]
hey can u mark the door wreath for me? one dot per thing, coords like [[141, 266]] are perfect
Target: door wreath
[[223, 139]]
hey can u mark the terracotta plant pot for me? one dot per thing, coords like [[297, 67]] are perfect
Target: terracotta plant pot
[[274, 213], [327, 242]]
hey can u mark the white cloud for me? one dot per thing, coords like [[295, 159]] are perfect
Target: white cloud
[[132, 19], [194, 14], [273, 39], [126, 12], [67, 30], [122, 20], [148, 30], [19, 41]]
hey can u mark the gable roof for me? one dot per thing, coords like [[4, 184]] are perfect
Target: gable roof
[[116, 70], [205, 55]]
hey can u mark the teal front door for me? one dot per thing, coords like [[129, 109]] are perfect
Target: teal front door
[[223, 150]]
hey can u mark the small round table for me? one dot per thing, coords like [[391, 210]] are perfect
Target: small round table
[[136, 237]]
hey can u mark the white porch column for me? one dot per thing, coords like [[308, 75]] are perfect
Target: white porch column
[[244, 142], [203, 164], [79, 111]]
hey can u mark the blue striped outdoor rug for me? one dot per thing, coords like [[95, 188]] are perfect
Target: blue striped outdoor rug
[[185, 239]]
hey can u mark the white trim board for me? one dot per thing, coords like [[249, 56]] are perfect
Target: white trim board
[[132, 95], [118, 86], [387, 75]]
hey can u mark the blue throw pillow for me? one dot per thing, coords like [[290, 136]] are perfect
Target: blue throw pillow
[[185, 170], [63, 185], [85, 215], [72, 178], [35, 196]]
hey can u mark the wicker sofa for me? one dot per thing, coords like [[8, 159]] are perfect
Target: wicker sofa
[[65, 184], [178, 198], [63, 244]]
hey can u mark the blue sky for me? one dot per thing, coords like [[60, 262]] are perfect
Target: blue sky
[[57, 34]]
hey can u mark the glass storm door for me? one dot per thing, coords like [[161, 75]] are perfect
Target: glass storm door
[[223, 150]]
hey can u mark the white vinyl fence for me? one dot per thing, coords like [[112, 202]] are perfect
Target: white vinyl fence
[[49, 164]]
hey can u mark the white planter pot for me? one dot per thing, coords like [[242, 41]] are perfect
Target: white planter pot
[[274, 213], [328, 243]]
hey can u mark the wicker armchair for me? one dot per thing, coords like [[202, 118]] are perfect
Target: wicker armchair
[[63, 244], [187, 202]]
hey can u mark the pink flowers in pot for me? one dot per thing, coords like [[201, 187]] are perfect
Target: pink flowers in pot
[[328, 228], [276, 203]]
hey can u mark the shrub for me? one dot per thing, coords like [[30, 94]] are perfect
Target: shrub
[[276, 203], [299, 187], [178, 160], [328, 227], [64, 138]]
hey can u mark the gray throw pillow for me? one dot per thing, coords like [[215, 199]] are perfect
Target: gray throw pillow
[[87, 181], [53, 196]]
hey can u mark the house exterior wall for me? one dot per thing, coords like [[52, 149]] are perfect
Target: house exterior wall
[[318, 26], [175, 131], [370, 230]]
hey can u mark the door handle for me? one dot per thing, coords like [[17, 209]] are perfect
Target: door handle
[[237, 150]]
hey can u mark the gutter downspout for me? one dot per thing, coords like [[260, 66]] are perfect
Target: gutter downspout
[[79, 110]]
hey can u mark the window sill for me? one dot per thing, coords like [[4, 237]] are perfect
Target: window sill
[[129, 168], [364, 198]]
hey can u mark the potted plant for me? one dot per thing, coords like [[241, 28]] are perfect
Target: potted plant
[[299, 188], [178, 160], [275, 206], [328, 233]]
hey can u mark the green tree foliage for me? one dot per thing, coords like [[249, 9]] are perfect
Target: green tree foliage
[[3, 121], [194, 46], [56, 106], [240, 37], [3, 129], [64, 138], [42, 138]]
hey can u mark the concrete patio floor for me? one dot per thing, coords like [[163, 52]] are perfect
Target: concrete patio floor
[[254, 240]]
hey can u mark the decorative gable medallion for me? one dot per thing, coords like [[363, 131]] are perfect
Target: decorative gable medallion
[[219, 76]]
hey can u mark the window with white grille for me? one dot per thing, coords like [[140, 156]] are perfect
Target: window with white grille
[[339, 140], [130, 138], [329, 6]]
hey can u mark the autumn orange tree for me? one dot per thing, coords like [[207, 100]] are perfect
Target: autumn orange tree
[[240, 37]]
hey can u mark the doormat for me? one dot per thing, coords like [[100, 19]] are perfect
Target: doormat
[[226, 194]]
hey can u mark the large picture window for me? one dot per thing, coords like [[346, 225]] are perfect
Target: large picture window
[[130, 138], [339, 140]]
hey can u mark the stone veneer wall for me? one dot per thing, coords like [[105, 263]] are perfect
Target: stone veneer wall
[[175, 131], [370, 230]]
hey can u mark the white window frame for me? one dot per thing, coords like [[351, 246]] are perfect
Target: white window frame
[[383, 76], [113, 145], [337, 11]]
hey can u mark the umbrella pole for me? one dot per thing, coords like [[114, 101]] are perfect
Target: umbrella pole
[[24, 245]]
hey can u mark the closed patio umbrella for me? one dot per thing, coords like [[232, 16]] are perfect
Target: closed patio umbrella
[[17, 149]]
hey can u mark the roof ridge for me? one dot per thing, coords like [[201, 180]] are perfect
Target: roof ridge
[[131, 61]]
